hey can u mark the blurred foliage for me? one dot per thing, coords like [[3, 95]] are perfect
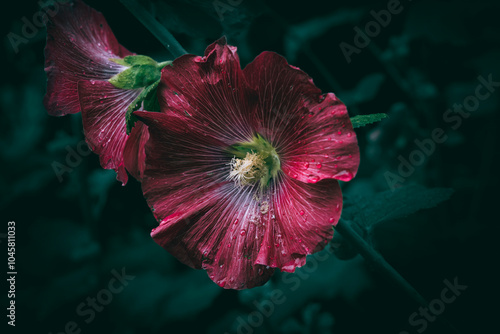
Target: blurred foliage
[[73, 231]]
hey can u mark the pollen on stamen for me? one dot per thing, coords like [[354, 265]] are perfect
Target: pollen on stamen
[[248, 170]]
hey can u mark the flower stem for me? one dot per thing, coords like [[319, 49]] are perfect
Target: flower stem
[[157, 29], [382, 266]]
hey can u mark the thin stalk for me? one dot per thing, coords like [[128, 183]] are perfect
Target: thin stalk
[[157, 29], [382, 266]]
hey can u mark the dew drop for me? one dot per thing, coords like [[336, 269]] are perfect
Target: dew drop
[[301, 212], [243, 232], [337, 208], [306, 165], [331, 220], [313, 179], [339, 133], [236, 221], [349, 134], [318, 166], [344, 176]]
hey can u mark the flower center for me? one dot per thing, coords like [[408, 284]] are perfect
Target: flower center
[[254, 161], [248, 170]]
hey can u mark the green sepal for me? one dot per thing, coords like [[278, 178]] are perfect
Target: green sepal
[[148, 96], [362, 120], [142, 71], [136, 76], [134, 60]]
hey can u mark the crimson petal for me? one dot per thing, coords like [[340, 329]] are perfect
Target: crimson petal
[[326, 145], [79, 46], [211, 89], [103, 113], [134, 154], [312, 133]]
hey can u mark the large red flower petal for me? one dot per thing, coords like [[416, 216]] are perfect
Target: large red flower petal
[[103, 113], [326, 145], [211, 89], [299, 221], [284, 93], [79, 46], [311, 132]]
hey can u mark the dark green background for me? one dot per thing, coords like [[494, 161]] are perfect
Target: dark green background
[[72, 234]]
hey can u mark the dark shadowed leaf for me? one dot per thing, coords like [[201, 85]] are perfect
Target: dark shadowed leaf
[[388, 205], [362, 120]]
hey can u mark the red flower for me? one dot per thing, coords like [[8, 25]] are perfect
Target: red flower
[[241, 165], [81, 56]]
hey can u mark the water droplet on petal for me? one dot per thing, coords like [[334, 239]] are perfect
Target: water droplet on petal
[[313, 179], [301, 212], [331, 220], [349, 134], [306, 165], [344, 176], [236, 221], [339, 133], [243, 232], [318, 166]]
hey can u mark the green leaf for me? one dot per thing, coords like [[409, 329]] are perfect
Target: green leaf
[[362, 120], [367, 211], [148, 96]]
